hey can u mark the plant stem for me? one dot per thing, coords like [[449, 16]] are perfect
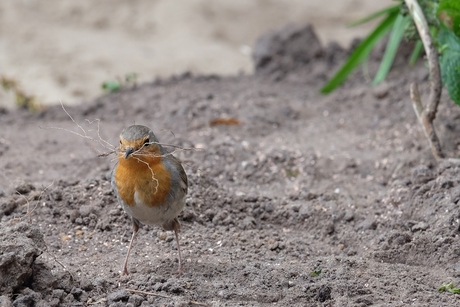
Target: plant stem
[[427, 125], [427, 115]]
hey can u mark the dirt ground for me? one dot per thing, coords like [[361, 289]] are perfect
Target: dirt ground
[[64, 50], [310, 201]]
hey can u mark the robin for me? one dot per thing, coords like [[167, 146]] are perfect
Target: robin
[[150, 183]]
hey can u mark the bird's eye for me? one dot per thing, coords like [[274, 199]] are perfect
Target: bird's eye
[[120, 142], [147, 142]]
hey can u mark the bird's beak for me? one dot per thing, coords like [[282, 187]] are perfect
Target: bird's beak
[[128, 152]]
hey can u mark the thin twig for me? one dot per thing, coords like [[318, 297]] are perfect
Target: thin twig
[[148, 293], [28, 199], [29, 212], [427, 115], [111, 148], [427, 126], [47, 250], [84, 134], [199, 304]]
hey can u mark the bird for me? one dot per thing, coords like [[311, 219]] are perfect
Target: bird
[[150, 184]]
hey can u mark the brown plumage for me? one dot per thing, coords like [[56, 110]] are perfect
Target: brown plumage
[[150, 183]]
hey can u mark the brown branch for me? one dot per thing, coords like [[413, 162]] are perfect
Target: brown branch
[[427, 125], [427, 115]]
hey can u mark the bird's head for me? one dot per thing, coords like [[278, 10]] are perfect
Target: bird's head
[[139, 141]]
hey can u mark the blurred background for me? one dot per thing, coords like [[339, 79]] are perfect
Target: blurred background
[[62, 50]]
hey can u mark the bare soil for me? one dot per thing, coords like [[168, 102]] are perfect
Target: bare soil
[[310, 200], [75, 46]]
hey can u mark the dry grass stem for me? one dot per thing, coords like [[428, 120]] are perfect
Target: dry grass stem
[[152, 172], [84, 134], [148, 293], [29, 199], [58, 262], [199, 304], [425, 122], [105, 144]]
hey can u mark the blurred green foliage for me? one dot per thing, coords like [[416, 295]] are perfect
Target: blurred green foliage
[[450, 287], [443, 18], [113, 86]]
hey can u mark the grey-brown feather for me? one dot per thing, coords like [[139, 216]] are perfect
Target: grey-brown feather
[[138, 132]]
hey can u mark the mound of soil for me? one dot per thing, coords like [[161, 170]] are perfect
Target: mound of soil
[[305, 200]]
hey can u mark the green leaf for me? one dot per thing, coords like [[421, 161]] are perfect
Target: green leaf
[[111, 86], [360, 53], [392, 47], [315, 273], [449, 13], [450, 63], [450, 287], [416, 53], [448, 38], [385, 11], [444, 287], [454, 290]]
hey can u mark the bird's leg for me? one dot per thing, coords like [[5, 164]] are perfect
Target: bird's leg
[[176, 232], [135, 230], [175, 226]]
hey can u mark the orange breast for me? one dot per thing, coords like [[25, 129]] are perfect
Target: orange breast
[[145, 176]]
